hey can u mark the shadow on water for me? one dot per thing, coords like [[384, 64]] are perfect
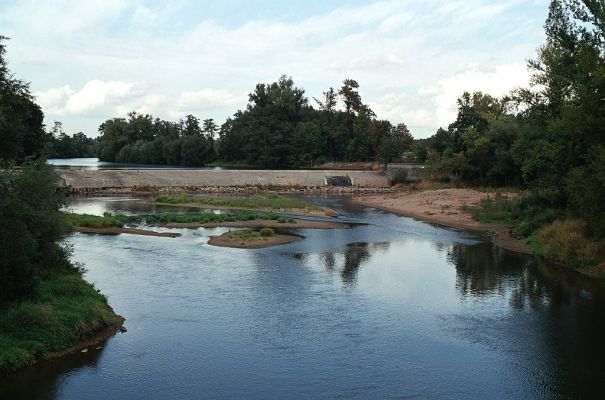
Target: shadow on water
[[556, 319], [44, 380]]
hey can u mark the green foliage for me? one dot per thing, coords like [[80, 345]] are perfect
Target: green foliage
[[142, 140], [60, 145], [568, 242], [32, 226], [22, 132], [400, 176], [551, 140], [526, 213], [64, 310], [206, 218], [267, 201], [265, 232], [94, 221], [247, 234]]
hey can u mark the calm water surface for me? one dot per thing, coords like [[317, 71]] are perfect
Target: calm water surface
[[392, 309], [94, 164]]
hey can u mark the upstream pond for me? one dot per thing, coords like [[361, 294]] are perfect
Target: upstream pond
[[395, 308]]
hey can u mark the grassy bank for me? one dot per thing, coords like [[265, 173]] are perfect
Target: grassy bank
[[550, 232], [272, 201], [65, 310]]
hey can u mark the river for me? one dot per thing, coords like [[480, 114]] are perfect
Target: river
[[395, 308]]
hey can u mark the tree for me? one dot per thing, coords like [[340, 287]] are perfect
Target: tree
[[32, 226], [22, 132]]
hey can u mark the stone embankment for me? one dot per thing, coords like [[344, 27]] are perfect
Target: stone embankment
[[81, 181]]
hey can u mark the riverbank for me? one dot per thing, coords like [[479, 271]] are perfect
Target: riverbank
[[447, 207], [66, 315]]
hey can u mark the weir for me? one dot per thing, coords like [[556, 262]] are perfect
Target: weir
[[79, 181]]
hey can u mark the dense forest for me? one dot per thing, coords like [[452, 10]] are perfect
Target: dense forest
[[278, 129]]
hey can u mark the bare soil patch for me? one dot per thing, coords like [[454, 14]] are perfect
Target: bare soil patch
[[444, 207]]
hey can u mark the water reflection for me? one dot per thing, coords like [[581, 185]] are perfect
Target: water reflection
[[392, 309], [347, 261], [556, 325], [44, 380]]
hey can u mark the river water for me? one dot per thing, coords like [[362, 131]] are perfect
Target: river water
[[93, 163], [393, 309]]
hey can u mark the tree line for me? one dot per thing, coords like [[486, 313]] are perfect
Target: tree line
[[278, 129]]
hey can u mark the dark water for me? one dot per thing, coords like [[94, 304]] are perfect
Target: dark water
[[394, 309]]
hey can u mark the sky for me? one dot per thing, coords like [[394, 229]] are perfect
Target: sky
[[88, 61]]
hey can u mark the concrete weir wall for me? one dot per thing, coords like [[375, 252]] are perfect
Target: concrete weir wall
[[84, 181]]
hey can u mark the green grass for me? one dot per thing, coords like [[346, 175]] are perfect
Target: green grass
[[66, 310], [250, 234], [206, 218], [271, 201], [108, 221], [95, 221]]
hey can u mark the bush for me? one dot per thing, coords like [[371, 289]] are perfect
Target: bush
[[265, 232], [567, 242], [399, 176]]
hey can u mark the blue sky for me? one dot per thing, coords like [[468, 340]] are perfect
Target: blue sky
[[88, 61]]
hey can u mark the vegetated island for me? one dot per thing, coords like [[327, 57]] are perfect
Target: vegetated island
[[265, 202], [252, 239], [241, 220], [115, 224], [111, 225]]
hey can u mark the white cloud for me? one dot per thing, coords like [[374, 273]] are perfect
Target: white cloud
[[209, 99], [411, 58], [94, 99], [498, 82]]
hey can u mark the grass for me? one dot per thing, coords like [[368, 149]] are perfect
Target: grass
[[67, 309], [567, 242], [548, 231], [205, 218], [272, 201], [250, 234], [95, 221], [109, 221]]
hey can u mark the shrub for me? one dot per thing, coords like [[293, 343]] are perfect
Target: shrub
[[566, 242], [265, 232], [399, 176]]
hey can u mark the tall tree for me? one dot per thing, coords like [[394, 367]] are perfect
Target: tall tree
[[21, 120]]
